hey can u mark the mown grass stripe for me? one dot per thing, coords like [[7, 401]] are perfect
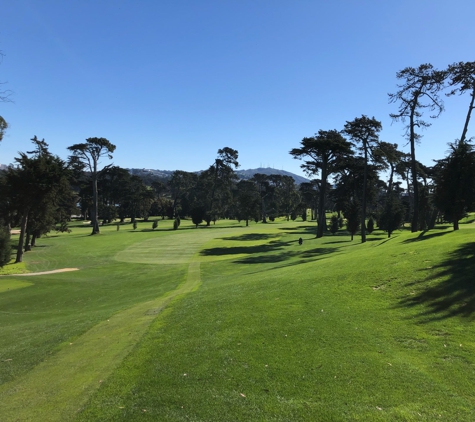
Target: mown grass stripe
[[60, 385]]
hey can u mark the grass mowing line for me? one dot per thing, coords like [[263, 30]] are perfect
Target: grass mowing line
[[59, 386]]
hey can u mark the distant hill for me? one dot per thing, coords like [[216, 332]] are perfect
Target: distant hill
[[243, 174], [247, 174]]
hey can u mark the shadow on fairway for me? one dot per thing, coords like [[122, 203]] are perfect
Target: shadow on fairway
[[272, 252], [424, 236], [306, 255], [453, 296], [252, 236]]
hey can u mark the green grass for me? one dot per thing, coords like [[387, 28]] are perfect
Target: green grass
[[230, 323]]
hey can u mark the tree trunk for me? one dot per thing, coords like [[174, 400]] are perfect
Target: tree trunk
[[247, 222], [24, 222], [94, 214], [27, 241], [415, 187], [467, 119], [365, 177], [321, 203]]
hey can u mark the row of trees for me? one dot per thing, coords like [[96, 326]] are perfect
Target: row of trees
[[42, 191], [452, 179]]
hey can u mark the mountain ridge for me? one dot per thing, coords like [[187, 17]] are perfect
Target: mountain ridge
[[242, 174]]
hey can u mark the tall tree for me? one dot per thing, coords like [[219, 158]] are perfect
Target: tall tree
[[390, 157], [419, 90], [321, 153], [264, 189], [365, 132], [247, 200], [180, 186], [88, 155], [220, 177], [461, 80], [36, 188], [455, 182]]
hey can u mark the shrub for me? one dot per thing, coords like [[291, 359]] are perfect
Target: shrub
[[175, 224], [334, 224], [155, 224], [135, 224]]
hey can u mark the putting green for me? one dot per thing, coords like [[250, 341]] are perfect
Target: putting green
[[61, 384]]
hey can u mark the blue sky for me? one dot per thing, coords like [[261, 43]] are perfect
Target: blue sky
[[171, 82]]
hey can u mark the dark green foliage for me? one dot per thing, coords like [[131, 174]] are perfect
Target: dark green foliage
[[134, 224], [176, 224], [370, 225], [155, 224], [365, 132], [334, 224], [293, 215], [304, 215], [247, 200], [5, 246], [87, 155], [419, 90], [392, 215], [197, 215], [321, 153], [38, 194], [455, 182], [353, 220]]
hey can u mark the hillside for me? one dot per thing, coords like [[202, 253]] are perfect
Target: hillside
[[243, 174]]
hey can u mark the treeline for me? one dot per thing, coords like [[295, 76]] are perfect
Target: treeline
[[366, 182]]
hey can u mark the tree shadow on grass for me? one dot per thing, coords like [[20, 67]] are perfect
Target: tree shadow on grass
[[305, 255], [252, 237], [455, 294], [424, 236]]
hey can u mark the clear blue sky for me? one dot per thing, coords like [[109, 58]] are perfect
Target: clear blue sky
[[170, 82]]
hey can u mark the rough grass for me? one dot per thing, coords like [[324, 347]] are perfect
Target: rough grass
[[330, 330]]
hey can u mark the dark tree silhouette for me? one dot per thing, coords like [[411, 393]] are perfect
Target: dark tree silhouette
[[87, 155], [322, 152], [365, 132], [419, 90], [455, 182], [461, 80]]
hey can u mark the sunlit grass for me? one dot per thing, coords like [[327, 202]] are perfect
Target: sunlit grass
[[329, 330]]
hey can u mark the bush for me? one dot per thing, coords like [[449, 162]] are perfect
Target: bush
[[334, 224], [370, 225], [5, 247], [176, 223], [135, 224], [197, 215], [155, 224]]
